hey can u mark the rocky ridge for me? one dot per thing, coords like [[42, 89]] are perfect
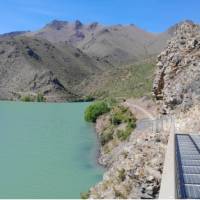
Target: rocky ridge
[[117, 44], [177, 80]]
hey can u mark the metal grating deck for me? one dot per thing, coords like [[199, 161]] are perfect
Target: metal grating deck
[[188, 165]]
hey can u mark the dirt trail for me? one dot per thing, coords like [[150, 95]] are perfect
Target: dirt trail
[[142, 109], [145, 112]]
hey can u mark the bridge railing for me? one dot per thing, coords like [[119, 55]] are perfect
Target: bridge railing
[[168, 188], [159, 124]]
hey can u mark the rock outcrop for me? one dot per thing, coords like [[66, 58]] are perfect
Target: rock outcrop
[[177, 80]]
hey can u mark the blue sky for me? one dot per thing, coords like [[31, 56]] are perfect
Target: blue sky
[[151, 15]]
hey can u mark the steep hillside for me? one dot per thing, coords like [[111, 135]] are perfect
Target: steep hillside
[[127, 81], [177, 77], [32, 65]]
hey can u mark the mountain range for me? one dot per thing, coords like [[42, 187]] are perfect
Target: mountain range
[[69, 60]]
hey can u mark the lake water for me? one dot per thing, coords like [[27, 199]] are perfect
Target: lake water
[[47, 150]]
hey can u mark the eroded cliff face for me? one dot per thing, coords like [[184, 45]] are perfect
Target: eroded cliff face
[[177, 79]]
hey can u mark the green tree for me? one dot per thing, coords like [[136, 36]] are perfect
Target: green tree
[[26, 98], [85, 195], [40, 98], [96, 109]]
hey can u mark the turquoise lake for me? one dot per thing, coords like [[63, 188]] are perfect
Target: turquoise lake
[[47, 150]]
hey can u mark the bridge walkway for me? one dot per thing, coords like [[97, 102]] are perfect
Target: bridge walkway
[[187, 149]]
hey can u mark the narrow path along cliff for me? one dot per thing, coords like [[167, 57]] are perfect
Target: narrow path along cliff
[[142, 109]]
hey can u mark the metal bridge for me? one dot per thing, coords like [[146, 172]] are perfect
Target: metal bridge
[[181, 173], [187, 147]]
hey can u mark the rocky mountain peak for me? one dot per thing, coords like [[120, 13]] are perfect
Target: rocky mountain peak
[[57, 24], [177, 80], [176, 27], [186, 27], [93, 25], [78, 24]]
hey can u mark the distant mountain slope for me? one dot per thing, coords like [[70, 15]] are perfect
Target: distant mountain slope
[[133, 80], [29, 64], [117, 44], [13, 34]]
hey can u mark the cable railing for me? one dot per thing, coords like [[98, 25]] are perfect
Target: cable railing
[[156, 125]]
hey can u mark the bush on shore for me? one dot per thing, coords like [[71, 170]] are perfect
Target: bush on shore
[[26, 98], [120, 115], [89, 98], [96, 109], [31, 98], [122, 175], [106, 135], [124, 134], [40, 98], [85, 195]]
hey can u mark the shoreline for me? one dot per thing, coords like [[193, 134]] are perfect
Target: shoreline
[[98, 149]]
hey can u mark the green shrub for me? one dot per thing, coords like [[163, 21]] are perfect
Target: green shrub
[[111, 102], [85, 195], [119, 195], [119, 114], [26, 98], [117, 118], [30, 98], [105, 137], [122, 175], [135, 81], [132, 124], [95, 110], [89, 98], [40, 98], [124, 134]]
